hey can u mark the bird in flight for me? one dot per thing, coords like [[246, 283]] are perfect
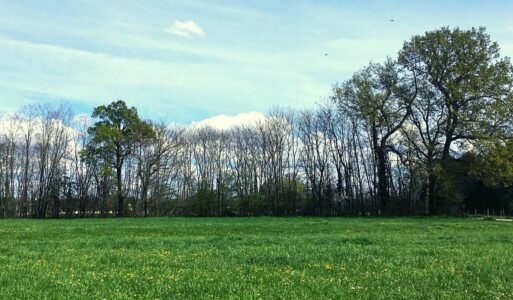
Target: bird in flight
[[392, 20]]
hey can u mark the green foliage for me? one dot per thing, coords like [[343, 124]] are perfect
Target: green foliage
[[202, 203], [255, 204], [268, 258], [471, 181], [118, 130], [490, 175], [7, 207], [495, 164], [451, 176], [379, 94], [464, 70]]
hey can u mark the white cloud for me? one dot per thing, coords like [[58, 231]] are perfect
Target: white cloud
[[185, 29], [224, 122]]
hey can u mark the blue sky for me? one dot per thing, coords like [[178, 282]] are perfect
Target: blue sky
[[182, 61]]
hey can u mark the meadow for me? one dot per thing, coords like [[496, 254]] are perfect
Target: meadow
[[256, 258]]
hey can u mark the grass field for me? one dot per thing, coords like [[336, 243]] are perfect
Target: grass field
[[250, 258]]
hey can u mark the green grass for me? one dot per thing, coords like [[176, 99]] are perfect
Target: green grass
[[251, 258]]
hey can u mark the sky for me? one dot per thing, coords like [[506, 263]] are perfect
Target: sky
[[198, 61]]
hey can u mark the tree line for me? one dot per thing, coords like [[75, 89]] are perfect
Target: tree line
[[427, 132]]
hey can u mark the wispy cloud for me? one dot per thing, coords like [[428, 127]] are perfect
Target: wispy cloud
[[160, 88], [186, 29]]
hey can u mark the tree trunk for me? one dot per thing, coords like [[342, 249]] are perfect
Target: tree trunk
[[119, 191], [384, 196], [381, 166], [432, 193]]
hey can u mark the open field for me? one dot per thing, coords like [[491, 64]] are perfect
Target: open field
[[168, 258]]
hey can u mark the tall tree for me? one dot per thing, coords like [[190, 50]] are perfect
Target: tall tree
[[466, 79], [115, 136], [380, 95]]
